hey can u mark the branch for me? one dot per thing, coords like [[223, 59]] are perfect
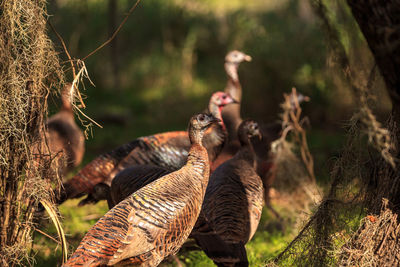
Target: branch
[[116, 31], [47, 235]]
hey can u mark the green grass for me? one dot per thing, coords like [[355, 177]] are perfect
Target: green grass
[[78, 220]]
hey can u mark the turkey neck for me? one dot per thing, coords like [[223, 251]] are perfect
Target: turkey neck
[[246, 152], [231, 113], [66, 102], [233, 87], [198, 157], [215, 136]]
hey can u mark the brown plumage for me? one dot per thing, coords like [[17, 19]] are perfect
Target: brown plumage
[[64, 139], [168, 150], [153, 222], [232, 205], [232, 119], [134, 177]]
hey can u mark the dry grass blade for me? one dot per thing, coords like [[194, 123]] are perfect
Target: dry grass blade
[[82, 73], [60, 231]]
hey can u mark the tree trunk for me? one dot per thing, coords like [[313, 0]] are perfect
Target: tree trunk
[[379, 22], [29, 68]]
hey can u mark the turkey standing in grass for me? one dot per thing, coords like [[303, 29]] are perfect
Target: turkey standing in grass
[[167, 150], [232, 205], [155, 221], [267, 167]]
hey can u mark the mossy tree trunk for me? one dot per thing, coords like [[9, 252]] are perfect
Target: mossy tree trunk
[[29, 68], [379, 22]]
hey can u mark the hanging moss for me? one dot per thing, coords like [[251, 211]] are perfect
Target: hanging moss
[[29, 70]]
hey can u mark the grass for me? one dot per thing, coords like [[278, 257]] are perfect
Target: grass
[[77, 221]]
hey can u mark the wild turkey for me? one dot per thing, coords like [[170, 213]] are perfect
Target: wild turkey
[[130, 179], [232, 204], [64, 139], [153, 222], [231, 114], [232, 118], [168, 150]]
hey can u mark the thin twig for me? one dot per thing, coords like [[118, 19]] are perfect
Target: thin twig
[[87, 117], [69, 59], [116, 31], [47, 235], [64, 46]]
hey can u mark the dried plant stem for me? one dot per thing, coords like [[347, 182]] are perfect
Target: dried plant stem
[[70, 61], [291, 122], [47, 235]]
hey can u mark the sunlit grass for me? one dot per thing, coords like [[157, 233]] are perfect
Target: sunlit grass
[[78, 220]]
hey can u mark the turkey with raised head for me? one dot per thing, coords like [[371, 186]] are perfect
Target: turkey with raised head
[[167, 150], [133, 176], [153, 222], [231, 114], [232, 204]]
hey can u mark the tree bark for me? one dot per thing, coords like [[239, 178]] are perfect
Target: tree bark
[[379, 22]]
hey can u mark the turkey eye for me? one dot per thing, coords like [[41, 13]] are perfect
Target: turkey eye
[[201, 118], [224, 97]]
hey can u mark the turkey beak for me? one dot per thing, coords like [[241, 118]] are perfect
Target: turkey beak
[[214, 120], [235, 101], [247, 58]]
